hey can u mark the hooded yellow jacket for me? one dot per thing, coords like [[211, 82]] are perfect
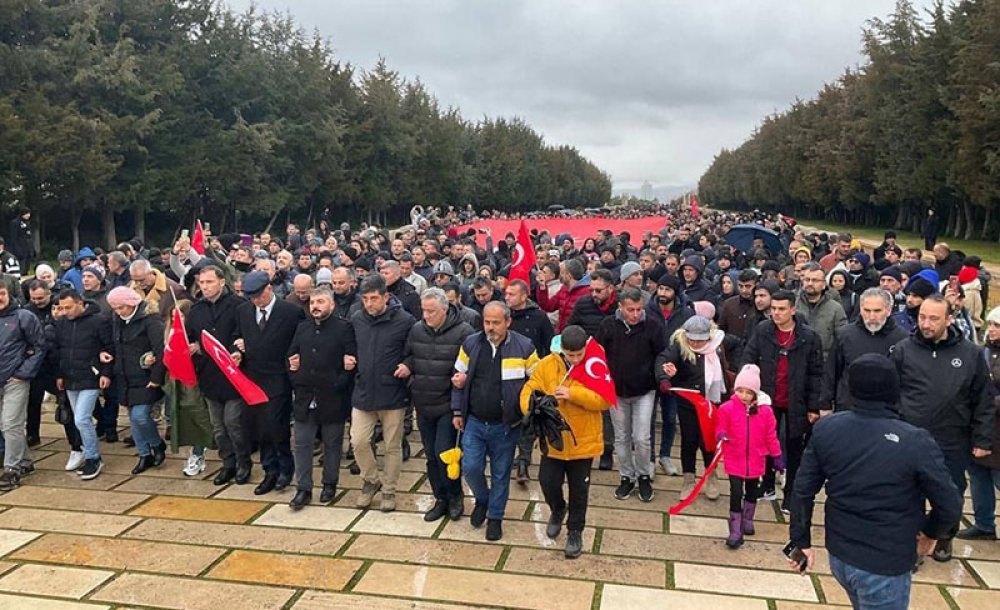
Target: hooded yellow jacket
[[582, 411]]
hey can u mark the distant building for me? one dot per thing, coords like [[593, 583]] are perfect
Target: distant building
[[647, 191]]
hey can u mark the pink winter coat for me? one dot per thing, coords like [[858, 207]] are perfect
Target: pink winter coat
[[751, 438]]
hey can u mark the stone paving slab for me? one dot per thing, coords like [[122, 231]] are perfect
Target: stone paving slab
[[73, 499], [587, 567], [11, 540], [197, 509], [191, 594], [56, 581], [280, 569], [119, 554], [428, 552], [21, 602], [257, 537], [67, 522], [617, 597], [737, 581], [447, 584], [315, 600]]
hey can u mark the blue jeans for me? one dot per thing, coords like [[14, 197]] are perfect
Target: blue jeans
[[872, 591], [82, 402], [276, 458], [984, 483], [496, 442], [668, 415], [144, 431]]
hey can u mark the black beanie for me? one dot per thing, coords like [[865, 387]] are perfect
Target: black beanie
[[669, 280], [873, 378], [921, 287]]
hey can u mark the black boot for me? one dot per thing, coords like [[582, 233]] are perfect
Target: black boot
[[456, 506], [406, 450], [329, 493], [145, 463], [522, 474], [440, 509], [225, 475], [301, 498], [159, 453]]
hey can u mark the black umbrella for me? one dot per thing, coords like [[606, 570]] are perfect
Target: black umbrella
[[741, 237]]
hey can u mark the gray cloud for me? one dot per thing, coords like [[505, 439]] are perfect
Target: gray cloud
[[648, 90]]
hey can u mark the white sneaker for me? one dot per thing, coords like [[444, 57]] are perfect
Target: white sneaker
[[75, 461], [666, 466], [195, 465]]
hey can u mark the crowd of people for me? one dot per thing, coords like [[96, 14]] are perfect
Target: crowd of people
[[379, 329]]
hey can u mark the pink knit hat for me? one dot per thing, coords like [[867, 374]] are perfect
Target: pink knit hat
[[748, 378], [705, 309], [123, 295]]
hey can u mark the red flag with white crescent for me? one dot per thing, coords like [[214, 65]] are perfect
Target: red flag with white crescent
[[250, 391], [176, 356], [694, 206], [593, 372], [198, 239], [523, 259]]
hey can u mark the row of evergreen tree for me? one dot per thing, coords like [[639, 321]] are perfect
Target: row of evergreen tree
[[114, 109], [916, 127]]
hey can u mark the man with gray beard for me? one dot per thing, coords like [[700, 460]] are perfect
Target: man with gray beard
[[874, 332]]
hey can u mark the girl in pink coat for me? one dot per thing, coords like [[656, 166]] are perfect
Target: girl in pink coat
[[748, 434]]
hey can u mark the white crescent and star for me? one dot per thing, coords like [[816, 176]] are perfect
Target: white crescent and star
[[587, 366], [518, 255]]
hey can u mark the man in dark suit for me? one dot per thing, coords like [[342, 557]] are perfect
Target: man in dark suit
[[265, 327], [321, 375]]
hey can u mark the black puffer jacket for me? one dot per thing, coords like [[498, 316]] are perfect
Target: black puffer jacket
[[80, 342], [534, 324], [381, 343], [219, 319], [142, 334], [22, 344], [944, 388], [805, 370], [631, 352], [430, 355], [588, 314], [408, 297], [321, 347], [854, 341]]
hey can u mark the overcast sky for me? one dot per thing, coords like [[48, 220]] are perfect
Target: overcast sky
[[647, 90]]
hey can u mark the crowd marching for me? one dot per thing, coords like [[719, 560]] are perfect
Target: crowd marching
[[802, 340]]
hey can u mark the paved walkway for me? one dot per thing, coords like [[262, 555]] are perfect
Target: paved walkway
[[165, 541]]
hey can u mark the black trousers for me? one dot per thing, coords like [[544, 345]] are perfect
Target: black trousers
[[36, 394], [438, 435], [792, 448], [332, 436], [691, 440], [552, 473], [739, 489]]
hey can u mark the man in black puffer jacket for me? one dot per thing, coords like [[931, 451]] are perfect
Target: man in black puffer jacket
[[431, 350], [83, 338], [591, 309]]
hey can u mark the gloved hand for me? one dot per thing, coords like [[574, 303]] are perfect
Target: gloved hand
[[779, 464], [721, 437], [665, 386]]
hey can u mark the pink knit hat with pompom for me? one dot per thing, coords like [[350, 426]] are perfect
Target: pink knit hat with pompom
[[748, 378]]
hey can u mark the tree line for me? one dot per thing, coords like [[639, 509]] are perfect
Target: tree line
[[136, 114], [916, 127]]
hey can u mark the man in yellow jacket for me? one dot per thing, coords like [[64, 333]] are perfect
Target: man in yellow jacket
[[581, 408]]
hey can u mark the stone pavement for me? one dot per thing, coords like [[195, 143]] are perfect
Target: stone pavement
[[162, 540]]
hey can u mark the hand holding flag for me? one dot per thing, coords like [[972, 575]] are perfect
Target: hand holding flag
[[523, 258], [177, 356], [593, 372], [250, 391], [198, 239]]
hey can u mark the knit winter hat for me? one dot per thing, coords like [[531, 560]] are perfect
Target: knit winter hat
[[705, 309], [749, 378], [629, 268], [65, 255], [94, 270], [324, 276], [123, 295], [921, 287], [671, 281], [967, 274], [993, 316], [874, 378], [893, 272]]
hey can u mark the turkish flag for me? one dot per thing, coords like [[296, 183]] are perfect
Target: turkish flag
[[593, 372], [176, 356], [524, 256], [694, 205], [250, 391], [198, 240], [707, 414]]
